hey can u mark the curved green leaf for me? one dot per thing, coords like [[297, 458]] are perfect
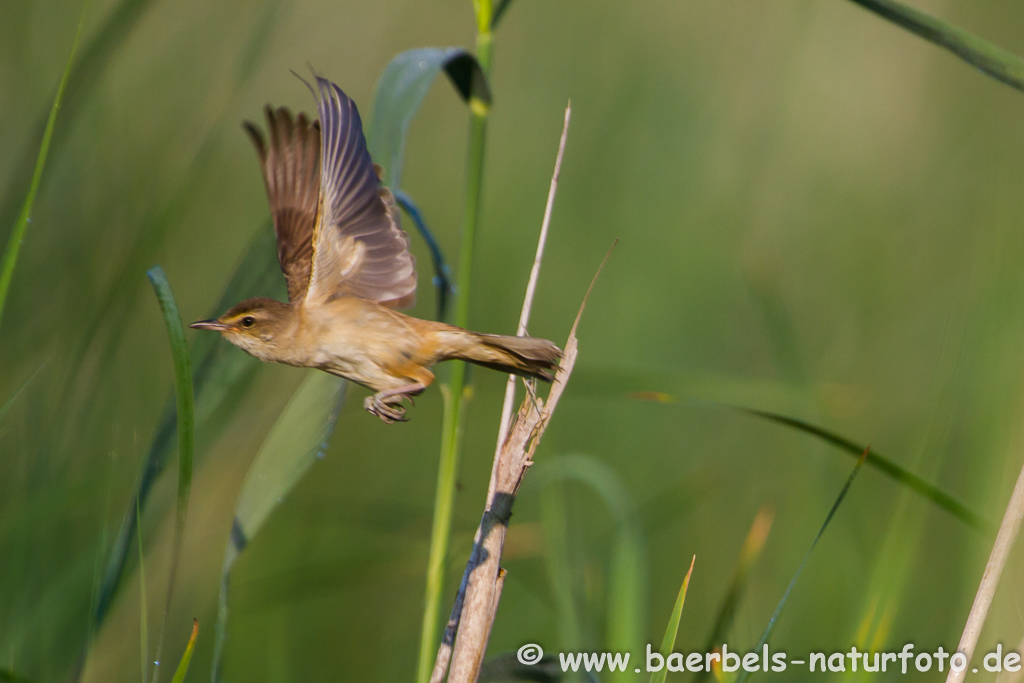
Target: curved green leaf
[[186, 429], [874, 458], [886, 466], [988, 58], [296, 440], [400, 92]]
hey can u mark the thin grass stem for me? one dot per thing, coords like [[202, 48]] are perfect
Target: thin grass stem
[[17, 236], [803, 563], [456, 393]]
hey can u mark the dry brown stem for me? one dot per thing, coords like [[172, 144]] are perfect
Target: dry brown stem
[[468, 630], [990, 578]]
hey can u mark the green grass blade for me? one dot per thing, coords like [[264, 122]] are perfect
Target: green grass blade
[[17, 236], [988, 58], [886, 466], [186, 432], [440, 532], [627, 572], [668, 642], [294, 443], [803, 562], [186, 659], [751, 550]]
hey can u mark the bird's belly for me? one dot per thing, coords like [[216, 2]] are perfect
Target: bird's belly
[[356, 363], [364, 343]]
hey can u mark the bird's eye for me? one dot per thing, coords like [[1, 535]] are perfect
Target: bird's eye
[[248, 321]]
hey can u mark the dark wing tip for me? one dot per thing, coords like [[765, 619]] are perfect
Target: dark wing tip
[[257, 139], [304, 81]]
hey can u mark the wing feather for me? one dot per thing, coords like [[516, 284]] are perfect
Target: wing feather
[[291, 172], [358, 246]]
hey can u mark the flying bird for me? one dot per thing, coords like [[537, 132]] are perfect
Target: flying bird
[[347, 267]]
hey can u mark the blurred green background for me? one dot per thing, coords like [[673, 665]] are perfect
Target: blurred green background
[[818, 215]]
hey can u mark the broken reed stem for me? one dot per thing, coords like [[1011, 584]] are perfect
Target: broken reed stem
[[531, 287], [476, 602], [990, 579], [472, 626]]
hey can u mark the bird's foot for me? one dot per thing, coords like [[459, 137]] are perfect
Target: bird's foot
[[388, 408]]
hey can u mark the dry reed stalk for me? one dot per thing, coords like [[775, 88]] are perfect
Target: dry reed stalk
[[468, 630], [990, 579]]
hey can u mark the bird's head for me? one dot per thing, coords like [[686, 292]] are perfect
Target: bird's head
[[256, 325]]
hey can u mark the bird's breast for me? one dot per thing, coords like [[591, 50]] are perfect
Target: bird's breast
[[356, 339]]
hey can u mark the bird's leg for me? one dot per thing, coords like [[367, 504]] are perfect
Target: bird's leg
[[387, 405]]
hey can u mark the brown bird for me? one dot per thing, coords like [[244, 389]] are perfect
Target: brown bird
[[347, 265]]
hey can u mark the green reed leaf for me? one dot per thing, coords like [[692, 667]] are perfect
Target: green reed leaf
[[886, 466], [988, 58], [400, 92], [294, 443], [184, 409]]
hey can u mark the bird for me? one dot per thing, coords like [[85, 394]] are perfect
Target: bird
[[348, 268]]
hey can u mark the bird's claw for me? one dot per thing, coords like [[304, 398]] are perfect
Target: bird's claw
[[389, 409]]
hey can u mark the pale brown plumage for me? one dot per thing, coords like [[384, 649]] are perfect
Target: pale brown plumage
[[347, 266]]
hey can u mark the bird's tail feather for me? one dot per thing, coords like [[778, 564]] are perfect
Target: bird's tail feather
[[525, 356]]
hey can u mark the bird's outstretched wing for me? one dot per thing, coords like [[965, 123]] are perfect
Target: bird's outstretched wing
[[291, 170], [359, 247]]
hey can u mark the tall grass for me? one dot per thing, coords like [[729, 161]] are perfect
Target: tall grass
[[185, 413], [17, 234], [456, 390], [358, 527]]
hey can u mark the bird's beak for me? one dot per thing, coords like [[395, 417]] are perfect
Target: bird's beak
[[208, 325]]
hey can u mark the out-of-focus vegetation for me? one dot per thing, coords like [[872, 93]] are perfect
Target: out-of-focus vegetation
[[819, 217]]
